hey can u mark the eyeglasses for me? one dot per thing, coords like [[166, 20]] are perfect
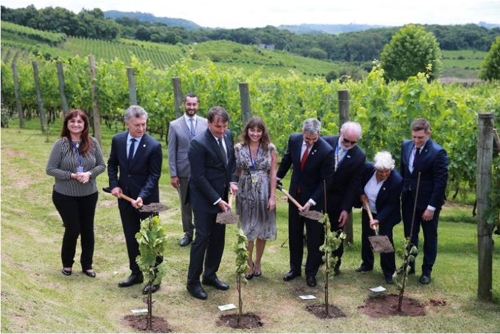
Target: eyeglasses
[[346, 141]]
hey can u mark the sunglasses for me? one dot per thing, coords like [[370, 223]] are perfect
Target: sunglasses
[[346, 141]]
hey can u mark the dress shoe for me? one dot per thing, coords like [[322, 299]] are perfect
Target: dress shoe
[[67, 272], [411, 271], [196, 290], [336, 270], [216, 283], [311, 281], [363, 269], [89, 272], [131, 280], [186, 240], [425, 279], [153, 288], [389, 280], [290, 276]]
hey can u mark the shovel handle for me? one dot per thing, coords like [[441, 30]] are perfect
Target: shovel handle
[[367, 208], [294, 201], [230, 200]]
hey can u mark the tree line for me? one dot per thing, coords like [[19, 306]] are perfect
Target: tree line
[[360, 47]]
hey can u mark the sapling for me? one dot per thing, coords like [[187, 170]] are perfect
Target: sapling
[[332, 242], [241, 266], [152, 239], [409, 253]]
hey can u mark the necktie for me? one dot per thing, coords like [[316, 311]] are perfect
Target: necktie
[[192, 130], [338, 157], [222, 150], [417, 157], [131, 150], [304, 157]]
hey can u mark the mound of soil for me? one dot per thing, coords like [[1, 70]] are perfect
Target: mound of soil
[[380, 306], [319, 310], [247, 321], [140, 323]]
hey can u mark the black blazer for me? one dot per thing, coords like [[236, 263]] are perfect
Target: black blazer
[[318, 167], [388, 200], [343, 189], [140, 178], [210, 176], [433, 168]]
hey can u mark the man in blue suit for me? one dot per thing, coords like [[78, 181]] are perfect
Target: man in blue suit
[[344, 186], [381, 187], [134, 169], [424, 166], [213, 166], [311, 160]]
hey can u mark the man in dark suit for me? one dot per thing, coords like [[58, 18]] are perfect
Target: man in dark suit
[[213, 166], [424, 166], [311, 159], [134, 169], [343, 188], [180, 133], [381, 187]]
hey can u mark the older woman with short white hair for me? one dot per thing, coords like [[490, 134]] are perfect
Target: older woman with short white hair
[[381, 187]]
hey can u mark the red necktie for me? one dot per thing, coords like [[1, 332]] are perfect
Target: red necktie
[[304, 157]]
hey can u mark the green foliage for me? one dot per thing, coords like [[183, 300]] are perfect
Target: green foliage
[[412, 50], [152, 239], [492, 215], [490, 68]]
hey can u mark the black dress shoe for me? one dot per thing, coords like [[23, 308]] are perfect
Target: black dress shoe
[[186, 240], [290, 276], [153, 288], [389, 280], [196, 290], [336, 270], [311, 281], [425, 279], [411, 271], [89, 272], [66, 272], [131, 280], [363, 269], [216, 283]]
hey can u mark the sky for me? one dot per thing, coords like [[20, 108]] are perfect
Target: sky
[[231, 14]]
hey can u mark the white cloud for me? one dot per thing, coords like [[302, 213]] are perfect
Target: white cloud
[[258, 13]]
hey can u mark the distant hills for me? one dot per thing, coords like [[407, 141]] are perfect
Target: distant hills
[[305, 28]]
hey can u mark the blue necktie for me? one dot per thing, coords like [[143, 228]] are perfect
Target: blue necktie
[[131, 150]]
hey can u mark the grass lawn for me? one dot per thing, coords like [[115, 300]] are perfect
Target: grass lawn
[[36, 297]]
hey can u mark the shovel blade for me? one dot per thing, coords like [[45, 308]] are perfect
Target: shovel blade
[[381, 244]]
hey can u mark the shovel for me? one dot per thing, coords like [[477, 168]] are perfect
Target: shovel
[[228, 217], [379, 243], [310, 214], [152, 207]]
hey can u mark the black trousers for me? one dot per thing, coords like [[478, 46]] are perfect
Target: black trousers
[[131, 223], [77, 214], [315, 233], [207, 247], [387, 260]]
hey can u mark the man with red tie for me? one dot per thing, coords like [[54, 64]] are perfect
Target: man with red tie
[[312, 163]]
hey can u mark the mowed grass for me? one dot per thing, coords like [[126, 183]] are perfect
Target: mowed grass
[[36, 297]]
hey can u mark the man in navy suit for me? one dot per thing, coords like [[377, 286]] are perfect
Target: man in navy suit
[[381, 187], [311, 159], [180, 133], [134, 169], [213, 166], [343, 188], [424, 166]]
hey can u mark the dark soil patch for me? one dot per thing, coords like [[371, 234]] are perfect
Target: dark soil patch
[[140, 323], [380, 306], [319, 310], [247, 321]]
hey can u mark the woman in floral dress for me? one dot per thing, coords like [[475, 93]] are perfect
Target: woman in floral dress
[[256, 163]]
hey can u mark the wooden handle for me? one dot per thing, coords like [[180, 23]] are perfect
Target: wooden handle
[[230, 200], [125, 197], [294, 201], [367, 208]]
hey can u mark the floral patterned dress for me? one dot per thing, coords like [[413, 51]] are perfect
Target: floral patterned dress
[[253, 193]]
